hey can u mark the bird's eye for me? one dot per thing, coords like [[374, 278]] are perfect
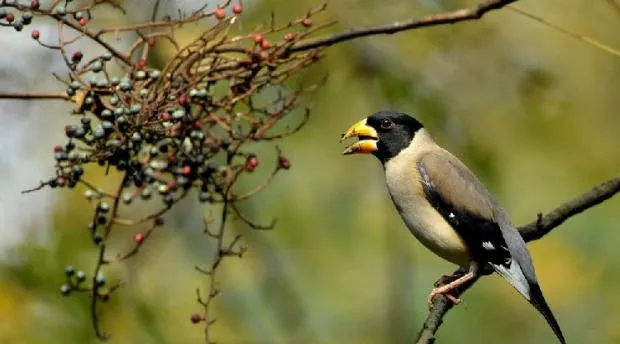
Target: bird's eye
[[386, 123]]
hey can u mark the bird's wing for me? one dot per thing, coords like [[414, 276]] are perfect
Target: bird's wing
[[462, 200]]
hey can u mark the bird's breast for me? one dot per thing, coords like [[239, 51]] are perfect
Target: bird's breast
[[426, 224]]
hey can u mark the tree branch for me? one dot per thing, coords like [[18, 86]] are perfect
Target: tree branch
[[464, 14], [532, 231]]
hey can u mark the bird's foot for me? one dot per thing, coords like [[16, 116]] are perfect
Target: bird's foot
[[446, 279], [446, 293], [446, 289]]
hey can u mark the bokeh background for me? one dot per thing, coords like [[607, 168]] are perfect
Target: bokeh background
[[532, 111]]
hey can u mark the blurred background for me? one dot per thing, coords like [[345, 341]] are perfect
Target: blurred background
[[532, 111]]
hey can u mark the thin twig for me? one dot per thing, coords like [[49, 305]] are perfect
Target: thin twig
[[464, 14], [606, 48]]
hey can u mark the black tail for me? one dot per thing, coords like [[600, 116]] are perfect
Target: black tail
[[538, 300]]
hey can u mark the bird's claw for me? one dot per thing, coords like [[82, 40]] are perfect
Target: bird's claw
[[439, 291]]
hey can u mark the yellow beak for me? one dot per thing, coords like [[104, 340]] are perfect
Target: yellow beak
[[368, 138]]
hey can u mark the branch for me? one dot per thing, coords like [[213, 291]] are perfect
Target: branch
[[464, 14], [30, 96], [533, 231]]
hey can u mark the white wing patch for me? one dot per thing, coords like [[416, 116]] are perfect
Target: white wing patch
[[488, 246]]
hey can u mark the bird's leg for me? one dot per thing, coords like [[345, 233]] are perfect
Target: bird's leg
[[445, 279], [446, 289]]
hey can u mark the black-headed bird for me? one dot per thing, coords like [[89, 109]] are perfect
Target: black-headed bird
[[446, 207]]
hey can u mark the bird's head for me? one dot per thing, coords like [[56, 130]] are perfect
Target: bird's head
[[384, 134]]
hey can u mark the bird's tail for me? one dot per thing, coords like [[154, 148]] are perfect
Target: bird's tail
[[531, 292], [538, 301]]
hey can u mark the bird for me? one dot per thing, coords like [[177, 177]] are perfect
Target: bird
[[447, 208]]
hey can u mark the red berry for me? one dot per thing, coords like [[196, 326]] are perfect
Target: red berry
[[150, 41], [183, 100], [83, 21], [77, 56], [159, 221], [34, 4], [258, 38], [220, 14], [289, 36], [36, 34], [58, 148], [10, 17], [165, 116], [284, 163], [265, 44], [139, 237], [198, 124], [251, 163], [237, 9], [307, 22], [61, 181], [187, 170], [141, 63], [195, 318]]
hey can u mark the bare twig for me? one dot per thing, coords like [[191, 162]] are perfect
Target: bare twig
[[464, 14], [591, 41]]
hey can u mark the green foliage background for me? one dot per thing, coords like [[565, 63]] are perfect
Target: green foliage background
[[533, 112]]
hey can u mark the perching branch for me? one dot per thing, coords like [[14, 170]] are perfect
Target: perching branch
[[464, 14], [532, 231]]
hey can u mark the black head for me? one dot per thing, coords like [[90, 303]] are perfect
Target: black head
[[384, 134]]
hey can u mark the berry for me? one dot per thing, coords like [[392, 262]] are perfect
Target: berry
[[103, 207], [97, 238], [77, 56], [307, 22], [35, 34], [34, 4], [183, 100], [150, 41], [265, 44], [27, 18], [96, 67], [127, 197], [10, 17], [141, 63], [258, 38], [195, 318], [18, 25], [101, 219], [289, 37], [100, 280], [284, 163], [60, 10], [80, 276], [251, 163], [237, 9], [65, 289], [83, 21], [58, 148], [165, 116], [159, 221], [69, 271], [187, 170], [139, 237], [220, 14]]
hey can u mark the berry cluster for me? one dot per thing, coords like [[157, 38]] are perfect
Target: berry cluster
[[172, 130]]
